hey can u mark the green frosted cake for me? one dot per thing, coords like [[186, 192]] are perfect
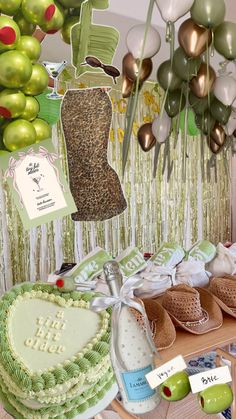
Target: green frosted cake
[[54, 352]]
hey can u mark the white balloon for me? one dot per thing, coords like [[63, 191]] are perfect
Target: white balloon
[[135, 38], [230, 127], [161, 127], [225, 89], [172, 10]]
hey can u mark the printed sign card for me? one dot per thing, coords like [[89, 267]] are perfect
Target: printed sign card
[[37, 183]]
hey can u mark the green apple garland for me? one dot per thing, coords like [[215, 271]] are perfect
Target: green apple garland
[[21, 76]]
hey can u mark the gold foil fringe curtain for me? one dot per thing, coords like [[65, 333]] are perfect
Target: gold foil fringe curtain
[[158, 209]]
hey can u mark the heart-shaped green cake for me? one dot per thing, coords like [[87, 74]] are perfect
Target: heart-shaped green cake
[[54, 352]]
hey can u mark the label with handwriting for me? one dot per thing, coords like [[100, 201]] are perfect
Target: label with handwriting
[[160, 374], [203, 380]]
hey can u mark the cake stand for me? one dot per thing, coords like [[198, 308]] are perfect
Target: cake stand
[[101, 405]]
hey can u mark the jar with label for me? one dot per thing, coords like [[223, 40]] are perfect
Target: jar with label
[[133, 351]]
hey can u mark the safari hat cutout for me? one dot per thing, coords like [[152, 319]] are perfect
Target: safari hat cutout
[[193, 309], [224, 292]]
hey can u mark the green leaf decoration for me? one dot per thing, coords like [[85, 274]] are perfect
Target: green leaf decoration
[[49, 109]]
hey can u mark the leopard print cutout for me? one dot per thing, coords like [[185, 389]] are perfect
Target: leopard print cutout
[[86, 119]]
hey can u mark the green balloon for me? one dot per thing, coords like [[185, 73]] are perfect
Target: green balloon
[[56, 22], [192, 128], [43, 130], [70, 3], [38, 81], [220, 112], [208, 13], [225, 40], [167, 77], [10, 33], [31, 109], [184, 67], [30, 47], [205, 122], [66, 28], [15, 69], [175, 102], [19, 134], [199, 105], [9, 7], [12, 103], [26, 28]]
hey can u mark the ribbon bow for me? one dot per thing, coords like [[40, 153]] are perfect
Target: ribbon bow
[[118, 302], [51, 157], [23, 154]]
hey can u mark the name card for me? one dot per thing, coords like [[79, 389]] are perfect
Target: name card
[[160, 374], [38, 184], [203, 380]]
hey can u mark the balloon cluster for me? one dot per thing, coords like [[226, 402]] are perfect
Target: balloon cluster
[[21, 77], [187, 78]]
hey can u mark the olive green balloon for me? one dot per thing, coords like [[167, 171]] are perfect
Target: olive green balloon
[[225, 40], [205, 122], [9, 7], [191, 127], [19, 134], [26, 28], [15, 69], [184, 67], [175, 103], [11, 36], [220, 112], [66, 28], [208, 13], [38, 81], [70, 3], [29, 46], [31, 110], [43, 130], [56, 22], [167, 77], [199, 105], [12, 103]]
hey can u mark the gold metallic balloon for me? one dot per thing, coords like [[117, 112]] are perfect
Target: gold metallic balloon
[[43, 130], [38, 81], [131, 67], [146, 138], [19, 134], [218, 134], [203, 82], [215, 148], [193, 38], [127, 86], [31, 110]]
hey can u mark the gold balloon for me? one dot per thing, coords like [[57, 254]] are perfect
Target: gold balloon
[[146, 138], [193, 38], [203, 82], [131, 67], [218, 134], [215, 148], [127, 86]]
